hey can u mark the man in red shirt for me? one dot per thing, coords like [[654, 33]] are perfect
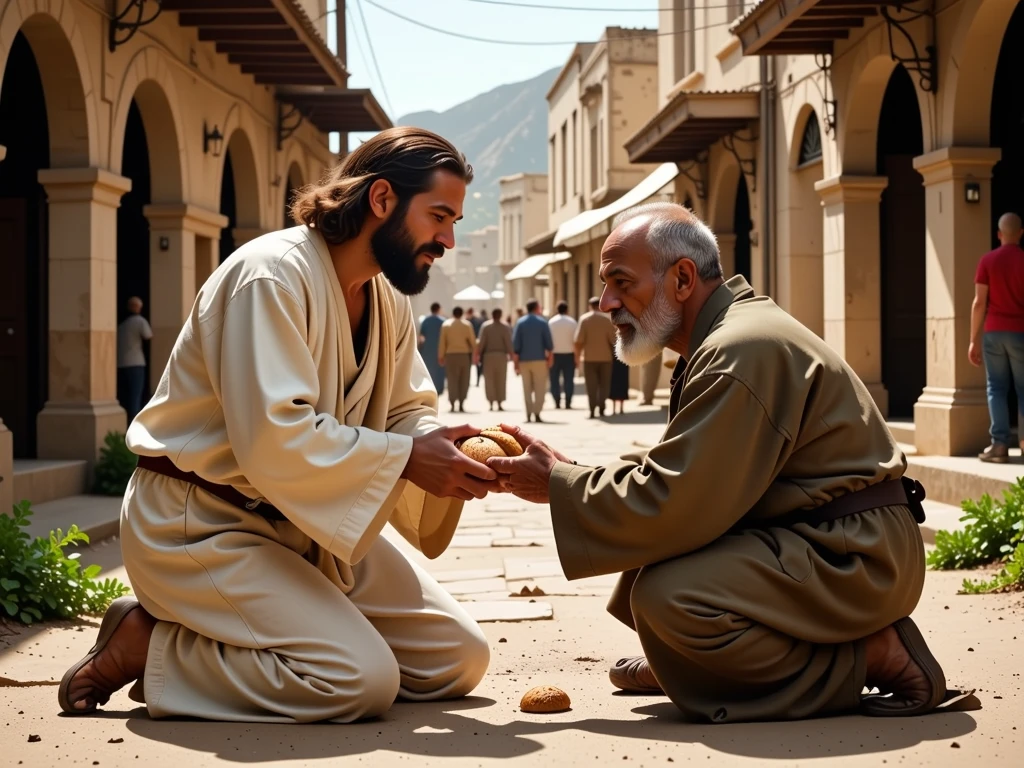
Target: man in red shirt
[[998, 309]]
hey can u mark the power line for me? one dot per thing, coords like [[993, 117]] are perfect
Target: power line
[[373, 55], [530, 42], [359, 45], [547, 7]]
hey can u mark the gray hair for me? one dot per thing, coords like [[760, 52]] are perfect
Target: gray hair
[[672, 237]]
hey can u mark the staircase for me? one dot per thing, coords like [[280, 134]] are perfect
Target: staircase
[[59, 493]]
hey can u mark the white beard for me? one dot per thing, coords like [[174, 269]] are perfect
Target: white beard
[[651, 331]]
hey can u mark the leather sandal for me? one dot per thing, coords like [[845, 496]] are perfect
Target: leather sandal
[[634, 675], [112, 619], [897, 704]]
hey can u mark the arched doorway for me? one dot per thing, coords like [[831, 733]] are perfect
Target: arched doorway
[[295, 183], [229, 208], [742, 224], [902, 245], [1007, 124], [801, 254], [239, 194], [24, 133]]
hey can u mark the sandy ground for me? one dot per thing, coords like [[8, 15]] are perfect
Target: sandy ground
[[979, 640]]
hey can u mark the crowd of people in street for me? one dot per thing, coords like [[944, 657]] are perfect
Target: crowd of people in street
[[547, 354]]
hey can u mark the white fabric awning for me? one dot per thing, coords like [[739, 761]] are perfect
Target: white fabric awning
[[531, 265], [473, 293], [581, 228]]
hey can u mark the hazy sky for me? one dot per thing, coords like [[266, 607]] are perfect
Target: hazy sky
[[424, 69]]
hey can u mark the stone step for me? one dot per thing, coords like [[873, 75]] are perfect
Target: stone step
[[940, 517], [98, 516], [902, 430], [952, 479], [44, 480]]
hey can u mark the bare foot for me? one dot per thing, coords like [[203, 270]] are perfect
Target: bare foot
[[122, 661], [891, 669]]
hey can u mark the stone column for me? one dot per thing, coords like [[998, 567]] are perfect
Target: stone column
[[207, 259], [82, 405], [241, 236], [951, 417], [173, 231], [851, 268], [727, 251], [6, 469]]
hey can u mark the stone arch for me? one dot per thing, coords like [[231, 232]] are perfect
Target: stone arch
[[246, 177], [150, 83], [292, 180], [858, 123], [722, 193], [61, 55], [971, 72]]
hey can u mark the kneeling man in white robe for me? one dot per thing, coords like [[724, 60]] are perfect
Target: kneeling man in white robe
[[295, 419]]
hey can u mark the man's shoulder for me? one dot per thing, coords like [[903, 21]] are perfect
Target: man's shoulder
[[287, 258]]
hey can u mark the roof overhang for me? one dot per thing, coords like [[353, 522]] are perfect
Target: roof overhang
[[531, 266], [594, 223], [352, 110], [801, 26], [690, 123], [542, 243], [272, 40]]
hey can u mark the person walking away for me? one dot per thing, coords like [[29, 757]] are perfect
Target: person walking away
[[532, 354], [455, 353], [997, 332], [650, 373], [131, 357], [618, 390], [563, 335], [430, 339], [595, 343], [477, 321], [493, 352]]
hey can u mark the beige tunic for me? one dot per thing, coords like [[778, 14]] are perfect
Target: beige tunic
[[595, 338], [495, 350], [759, 623], [287, 621]]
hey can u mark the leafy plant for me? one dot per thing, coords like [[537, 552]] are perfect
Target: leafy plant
[[992, 531], [39, 581], [1011, 576], [115, 466]]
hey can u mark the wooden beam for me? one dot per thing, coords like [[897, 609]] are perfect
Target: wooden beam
[[271, 56], [280, 49], [814, 34], [241, 6], [270, 35], [285, 69], [798, 48], [281, 79], [843, 23], [253, 19], [819, 12]]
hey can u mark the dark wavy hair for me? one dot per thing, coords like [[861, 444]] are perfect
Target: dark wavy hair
[[405, 157]]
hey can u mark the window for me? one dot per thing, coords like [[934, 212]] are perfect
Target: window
[[600, 149], [575, 156], [564, 169], [593, 158], [551, 172], [810, 144]]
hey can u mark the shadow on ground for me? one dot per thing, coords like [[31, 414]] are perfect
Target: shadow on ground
[[445, 729], [651, 416]]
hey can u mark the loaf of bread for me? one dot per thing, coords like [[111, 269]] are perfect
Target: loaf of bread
[[490, 442], [544, 699]]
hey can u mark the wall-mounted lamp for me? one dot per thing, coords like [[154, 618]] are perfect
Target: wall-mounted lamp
[[276, 182], [972, 192], [213, 141], [165, 243]]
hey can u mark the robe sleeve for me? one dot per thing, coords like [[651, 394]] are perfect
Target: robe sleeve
[[425, 521], [718, 456], [336, 483]]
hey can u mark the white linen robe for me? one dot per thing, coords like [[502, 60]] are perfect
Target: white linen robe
[[316, 617]]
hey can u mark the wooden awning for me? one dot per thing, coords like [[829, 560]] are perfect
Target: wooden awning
[[802, 26], [272, 40], [691, 123], [351, 110]]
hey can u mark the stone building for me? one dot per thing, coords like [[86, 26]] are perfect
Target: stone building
[[524, 217], [142, 143], [853, 159]]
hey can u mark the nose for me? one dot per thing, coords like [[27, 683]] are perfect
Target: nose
[[609, 301], [446, 237]]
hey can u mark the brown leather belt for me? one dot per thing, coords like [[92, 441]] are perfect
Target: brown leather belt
[[164, 466], [902, 492]]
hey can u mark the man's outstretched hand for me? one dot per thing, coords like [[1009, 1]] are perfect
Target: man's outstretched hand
[[442, 470], [527, 476]]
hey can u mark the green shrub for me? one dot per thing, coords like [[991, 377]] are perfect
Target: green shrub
[[38, 581], [115, 466], [994, 534]]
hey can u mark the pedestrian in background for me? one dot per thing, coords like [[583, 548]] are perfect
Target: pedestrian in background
[[532, 353], [595, 343], [456, 355], [618, 391], [563, 337], [998, 312], [131, 357], [493, 352], [430, 340], [477, 321]]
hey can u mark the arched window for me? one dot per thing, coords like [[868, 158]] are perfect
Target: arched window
[[810, 144], [688, 203]]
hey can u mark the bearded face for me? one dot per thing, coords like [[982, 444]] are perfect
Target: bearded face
[[646, 336], [397, 253]]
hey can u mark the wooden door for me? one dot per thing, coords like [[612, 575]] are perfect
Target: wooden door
[[15, 407]]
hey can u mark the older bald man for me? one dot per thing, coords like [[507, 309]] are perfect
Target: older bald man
[[769, 543]]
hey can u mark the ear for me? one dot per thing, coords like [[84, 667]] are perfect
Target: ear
[[684, 279], [382, 198]]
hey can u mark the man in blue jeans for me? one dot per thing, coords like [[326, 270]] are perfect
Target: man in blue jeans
[[531, 347], [563, 335], [998, 309]]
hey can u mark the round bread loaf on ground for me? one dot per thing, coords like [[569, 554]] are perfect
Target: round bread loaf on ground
[[544, 699]]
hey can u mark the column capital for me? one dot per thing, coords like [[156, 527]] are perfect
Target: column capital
[[193, 218], [957, 163], [851, 189], [83, 185]]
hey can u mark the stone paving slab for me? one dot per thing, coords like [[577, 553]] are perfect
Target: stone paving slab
[[508, 610], [521, 568], [472, 586], [469, 574]]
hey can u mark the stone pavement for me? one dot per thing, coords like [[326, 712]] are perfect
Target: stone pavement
[[542, 630]]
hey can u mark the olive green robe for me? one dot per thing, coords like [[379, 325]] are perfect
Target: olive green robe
[[741, 620]]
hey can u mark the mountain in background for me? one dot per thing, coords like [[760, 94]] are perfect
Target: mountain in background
[[501, 132]]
